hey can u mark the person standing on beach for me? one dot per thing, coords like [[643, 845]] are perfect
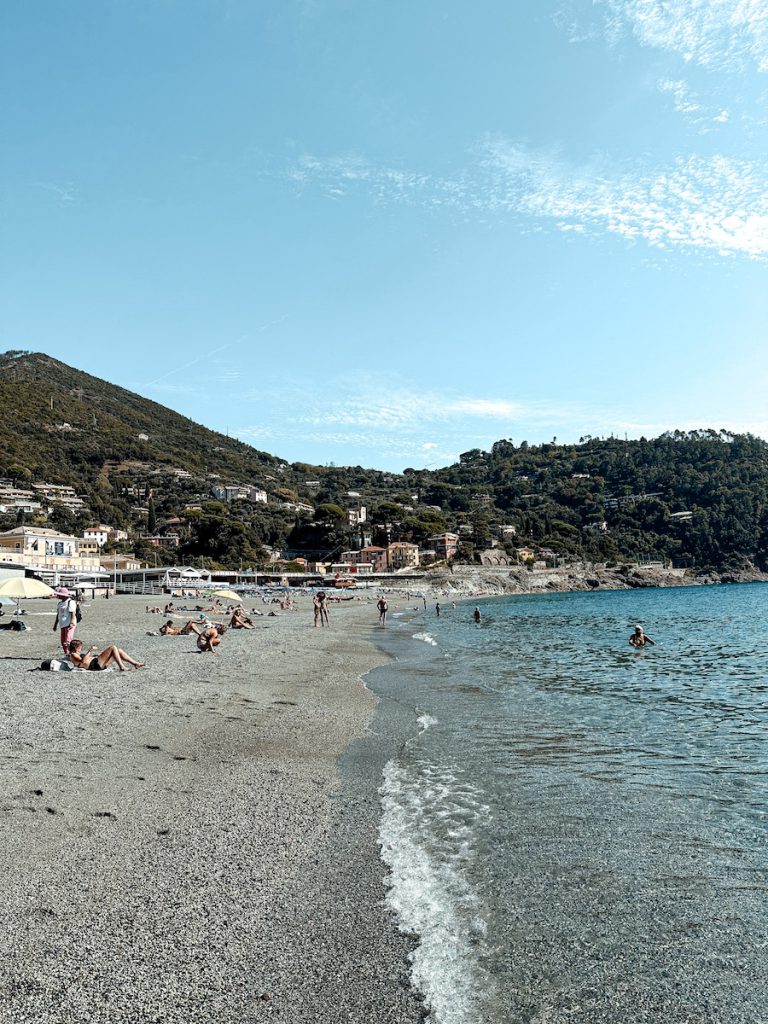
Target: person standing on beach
[[320, 603], [437, 609], [383, 608], [640, 639], [66, 618], [477, 614]]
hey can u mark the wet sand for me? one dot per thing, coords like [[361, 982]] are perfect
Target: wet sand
[[177, 845]]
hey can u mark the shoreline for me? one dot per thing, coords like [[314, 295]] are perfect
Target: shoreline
[[197, 840]]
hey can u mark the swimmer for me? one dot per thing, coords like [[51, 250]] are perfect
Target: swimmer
[[640, 639]]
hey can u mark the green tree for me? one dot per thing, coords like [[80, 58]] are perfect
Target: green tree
[[151, 517]]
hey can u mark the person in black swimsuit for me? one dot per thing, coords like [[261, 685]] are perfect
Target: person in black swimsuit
[[111, 655]]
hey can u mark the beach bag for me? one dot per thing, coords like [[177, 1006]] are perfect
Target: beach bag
[[54, 665], [18, 625]]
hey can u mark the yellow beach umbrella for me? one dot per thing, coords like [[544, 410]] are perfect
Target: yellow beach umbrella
[[24, 586], [228, 595]]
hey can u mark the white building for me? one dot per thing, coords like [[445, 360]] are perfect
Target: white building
[[99, 535], [239, 492]]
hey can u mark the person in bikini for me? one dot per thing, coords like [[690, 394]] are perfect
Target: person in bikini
[[111, 655], [209, 639], [169, 629]]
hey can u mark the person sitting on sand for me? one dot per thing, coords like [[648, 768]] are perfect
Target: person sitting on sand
[[111, 655], [210, 638], [240, 620], [169, 609], [169, 629], [640, 639]]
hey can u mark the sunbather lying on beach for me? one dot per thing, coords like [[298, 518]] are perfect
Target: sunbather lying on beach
[[111, 655]]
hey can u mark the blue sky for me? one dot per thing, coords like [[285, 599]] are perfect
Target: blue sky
[[384, 233]]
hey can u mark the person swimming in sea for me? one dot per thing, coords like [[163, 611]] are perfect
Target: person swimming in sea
[[640, 639]]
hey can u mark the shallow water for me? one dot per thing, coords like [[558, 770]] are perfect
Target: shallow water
[[578, 830]]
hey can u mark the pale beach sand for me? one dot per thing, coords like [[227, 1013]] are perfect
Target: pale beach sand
[[176, 843]]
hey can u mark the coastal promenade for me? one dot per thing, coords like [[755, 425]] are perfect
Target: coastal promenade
[[177, 845]]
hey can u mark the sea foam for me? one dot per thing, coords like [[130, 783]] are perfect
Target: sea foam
[[430, 817], [426, 637]]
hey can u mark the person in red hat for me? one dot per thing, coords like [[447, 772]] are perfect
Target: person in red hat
[[66, 618]]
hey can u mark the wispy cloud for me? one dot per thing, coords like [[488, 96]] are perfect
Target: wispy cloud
[[687, 103], [724, 34], [714, 204], [65, 193], [392, 409]]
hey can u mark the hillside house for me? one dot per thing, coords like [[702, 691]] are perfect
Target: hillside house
[[60, 494], [99, 535], [14, 499], [445, 544], [239, 492], [161, 540]]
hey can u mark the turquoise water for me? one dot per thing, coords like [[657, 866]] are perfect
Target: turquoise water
[[578, 831]]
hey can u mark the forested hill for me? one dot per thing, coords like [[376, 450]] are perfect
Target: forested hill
[[62, 424], [698, 498]]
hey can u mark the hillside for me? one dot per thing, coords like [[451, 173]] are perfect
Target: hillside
[[698, 499], [39, 395]]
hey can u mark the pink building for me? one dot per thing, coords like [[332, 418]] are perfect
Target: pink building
[[445, 544]]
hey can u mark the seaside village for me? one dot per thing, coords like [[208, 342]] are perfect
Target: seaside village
[[102, 554]]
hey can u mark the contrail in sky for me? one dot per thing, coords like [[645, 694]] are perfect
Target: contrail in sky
[[221, 348]]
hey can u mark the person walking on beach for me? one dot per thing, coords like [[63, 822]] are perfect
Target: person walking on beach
[[66, 618], [640, 639], [437, 609], [383, 609]]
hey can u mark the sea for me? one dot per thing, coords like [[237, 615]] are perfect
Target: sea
[[575, 830]]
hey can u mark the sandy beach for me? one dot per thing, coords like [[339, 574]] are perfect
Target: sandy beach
[[177, 842]]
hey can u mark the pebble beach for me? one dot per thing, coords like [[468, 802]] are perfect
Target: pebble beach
[[196, 841]]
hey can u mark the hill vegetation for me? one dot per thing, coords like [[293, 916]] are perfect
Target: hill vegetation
[[699, 499]]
